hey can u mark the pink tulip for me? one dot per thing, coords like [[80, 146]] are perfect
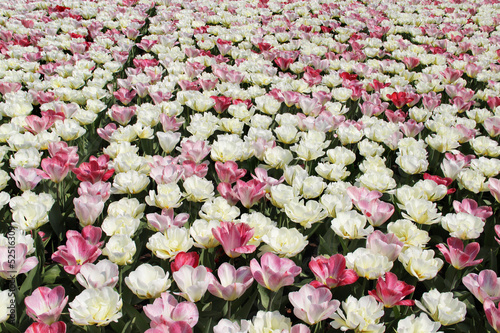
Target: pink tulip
[[331, 272], [228, 172], [411, 128], [222, 103], [455, 254], [497, 231], [166, 311], [166, 219], [190, 168], [226, 191], [194, 151], [95, 170], [166, 174], [233, 237], [106, 132], [88, 208], [26, 179], [103, 274], [125, 96], [249, 193], [484, 286], [57, 327], [45, 304], [101, 189], [90, 233], [313, 305], [142, 88], [11, 267], [390, 291], [55, 168], [377, 212], [175, 327], [122, 114], [361, 193], [62, 147], [182, 258], [37, 124], [262, 176], [492, 314], [77, 252], [494, 186], [170, 123], [159, 97], [233, 282], [492, 126], [388, 245], [274, 272]]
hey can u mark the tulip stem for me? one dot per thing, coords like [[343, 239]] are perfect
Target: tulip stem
[[271, 300], [228, 314], [396, 312], [317, 327], [121, 280]]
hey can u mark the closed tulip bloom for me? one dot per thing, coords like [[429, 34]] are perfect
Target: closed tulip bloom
[[233, 282], [485, 285], [234, 238], [88, 208], [331, 272], [313, 305], [390, 291], [96, 307], [192, 282], [377, 212], [10, 268], [182, 258], [45, 304], [103, 274], [26, 178], [274, 272], [388, 245], [148, 281], [166, 311], [492, 314], [455, 254], [228, 171]]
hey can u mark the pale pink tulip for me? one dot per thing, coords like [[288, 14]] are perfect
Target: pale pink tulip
[[492, 126], [190, 168], [88, 208], [470, 206], [233, 282], [166, 311], [492, 314], [12, 267], [192, 282], [166, 174], [262, 176], [361, 193], [377, 212], [103, 274], [125, 96], [274, 272], [55, 168], [456, 256], [484, 286], [494, 186], [313, 305], [194, 151], [331, 272], [411, 128], [122, 114], [26, 179], [497, 231], [166, 219], [175, 327], [45, 304], [101, 189], [228, 171], [90, 233], [227, 192], [388, 245], [234, 238], [170, 123], [390, 291]]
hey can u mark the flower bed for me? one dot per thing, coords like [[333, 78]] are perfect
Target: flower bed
[[249, 166]]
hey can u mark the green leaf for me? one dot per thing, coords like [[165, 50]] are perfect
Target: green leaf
[[244, 310], [55, 220], [51, 274], [140, 322], [264, 296], [11, 328]]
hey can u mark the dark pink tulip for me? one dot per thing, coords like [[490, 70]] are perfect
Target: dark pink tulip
[[175, 327], [122, 114], [57, 327], [226, 191], [390, 291], [234, 238], [190, 168], [331, 272], [37, 124], [182, 258], [45, 304], [68, 153], [95, 170], [228, 171], [55, 168], [456, 256], [274, 272]]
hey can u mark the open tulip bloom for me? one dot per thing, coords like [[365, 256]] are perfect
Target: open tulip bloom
[[249, 166]]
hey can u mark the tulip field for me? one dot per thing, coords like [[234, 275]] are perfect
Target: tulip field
[[258, 166]]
